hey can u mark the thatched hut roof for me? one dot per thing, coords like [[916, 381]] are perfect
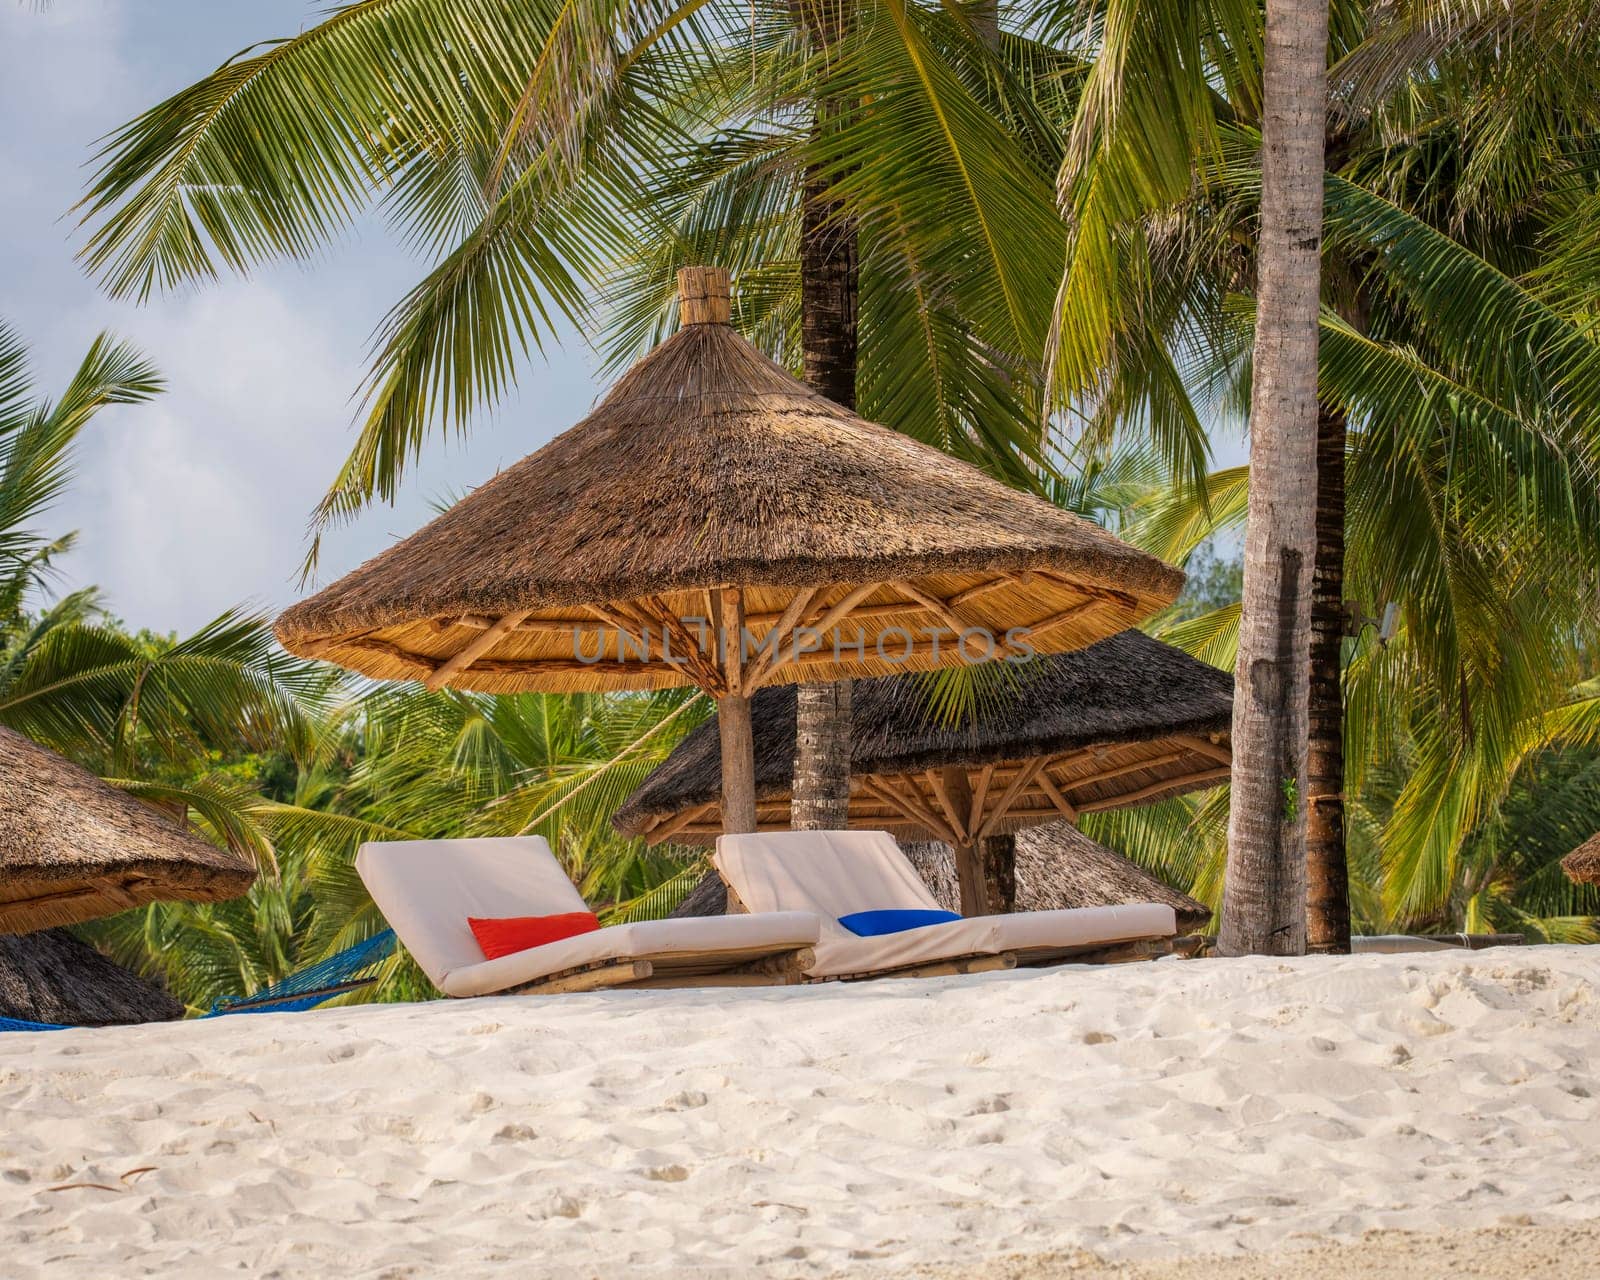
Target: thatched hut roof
[[51, 976], [706, 467], [1058, 867], [1127, 721], [75, 848], [1583, 863]]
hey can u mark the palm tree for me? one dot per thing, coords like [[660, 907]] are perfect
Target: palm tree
[[1263, 910]]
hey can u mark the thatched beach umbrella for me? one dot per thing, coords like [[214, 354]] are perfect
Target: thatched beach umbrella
[[75, 848], [52, 977], [1126, 721], [711, 496], [1058, 867], [1583, 863]]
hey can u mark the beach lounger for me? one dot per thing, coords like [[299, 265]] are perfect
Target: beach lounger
[[428, 889], [840, 873]]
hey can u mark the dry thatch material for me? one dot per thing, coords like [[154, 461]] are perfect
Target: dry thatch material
[[1058, 867], [74, 848], [53, 977], [1126, 721], [709, 468], [1583, 863]]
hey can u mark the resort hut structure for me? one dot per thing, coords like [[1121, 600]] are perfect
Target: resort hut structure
[[715, 522], [1582, 865], [51, 977], [1127, 721], [74, 848], [1058, 868]]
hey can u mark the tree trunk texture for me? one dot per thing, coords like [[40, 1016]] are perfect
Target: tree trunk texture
[[1264, 901], [828, 293], [821, 795], [1327, 875], [998, 857]]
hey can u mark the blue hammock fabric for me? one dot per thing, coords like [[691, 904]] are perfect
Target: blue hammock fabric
[[311, 986], [17, 1024]]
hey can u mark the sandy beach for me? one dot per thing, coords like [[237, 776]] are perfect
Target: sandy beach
[[1142, 1121]]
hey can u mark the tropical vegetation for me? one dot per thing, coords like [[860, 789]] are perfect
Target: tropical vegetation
[[1054, 218]]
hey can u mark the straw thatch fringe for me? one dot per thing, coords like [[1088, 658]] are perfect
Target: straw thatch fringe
[[1058, 867], [53, 977], [1130, 694], [709, 465], [74, 848], [1583, 863]]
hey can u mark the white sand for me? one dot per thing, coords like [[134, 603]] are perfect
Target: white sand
[[1139, 1112]]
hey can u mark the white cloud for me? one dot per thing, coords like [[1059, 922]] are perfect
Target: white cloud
[[199, 501]]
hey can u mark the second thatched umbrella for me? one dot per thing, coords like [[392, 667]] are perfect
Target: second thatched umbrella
[[1126, 721], [74, 848], [52, 977], [1582, 865], [1058, 868], [715, 522]]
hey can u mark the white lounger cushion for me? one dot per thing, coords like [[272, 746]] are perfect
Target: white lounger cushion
[[427, 889], [838, 873]]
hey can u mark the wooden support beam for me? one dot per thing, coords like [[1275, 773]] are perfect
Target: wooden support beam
[[781, 625], [952, 793], [982, 588], [1118, 771], [1026, 775], [980, 793], [665, 829], [1202, 778], [1108, 594], [1062, 804], [829, 618], [733, 717], [473, 650], [912, 810], [1204, 746], [1059, 619]]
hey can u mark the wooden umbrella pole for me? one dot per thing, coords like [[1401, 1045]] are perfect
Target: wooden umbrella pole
[[733, 717]]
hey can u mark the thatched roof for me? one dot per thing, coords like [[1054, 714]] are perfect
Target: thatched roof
[[74, 848], [709, 466], [1057, 867], [51, 976], [1583, 863], [1127, 721]]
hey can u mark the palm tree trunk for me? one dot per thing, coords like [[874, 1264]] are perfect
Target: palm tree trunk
[[1263, 907], [1327, 875], [828, 289]]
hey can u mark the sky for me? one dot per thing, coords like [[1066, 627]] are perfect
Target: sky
[[199, 502]]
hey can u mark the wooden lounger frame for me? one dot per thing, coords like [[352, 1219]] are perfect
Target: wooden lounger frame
[[675, 969], [700, 969]]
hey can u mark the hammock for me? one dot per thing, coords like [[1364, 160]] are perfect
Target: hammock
[[334, 976]]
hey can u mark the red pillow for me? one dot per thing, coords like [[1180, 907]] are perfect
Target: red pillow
[[519, 933]]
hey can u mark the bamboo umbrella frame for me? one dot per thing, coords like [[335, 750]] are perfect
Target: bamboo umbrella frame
[[716, 523], [1123, 722]]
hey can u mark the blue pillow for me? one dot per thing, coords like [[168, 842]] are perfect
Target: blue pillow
[[869, 924]]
